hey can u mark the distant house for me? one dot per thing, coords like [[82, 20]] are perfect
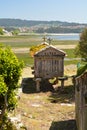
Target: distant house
[[49, 63]]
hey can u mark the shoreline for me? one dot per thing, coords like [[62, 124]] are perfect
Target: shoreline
[[59, 34], [63, 34]]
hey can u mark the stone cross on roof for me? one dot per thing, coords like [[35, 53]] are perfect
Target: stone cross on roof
[[49, 39]]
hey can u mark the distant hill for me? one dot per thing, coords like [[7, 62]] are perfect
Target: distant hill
[[28, 23], [43, 26]]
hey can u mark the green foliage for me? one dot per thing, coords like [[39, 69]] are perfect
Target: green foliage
[[15, 32], [81, 48], [12, 100], [28, 60], [1, 45], [10, 69], [81, 69], [59, 30], [8, 125], [3, 87], [1, 31], [70, 53], [29, 23], [77, 51]]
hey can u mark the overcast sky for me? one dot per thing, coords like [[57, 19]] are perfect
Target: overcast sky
[[59, 10]]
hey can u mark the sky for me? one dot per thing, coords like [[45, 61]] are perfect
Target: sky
[[45, 10]]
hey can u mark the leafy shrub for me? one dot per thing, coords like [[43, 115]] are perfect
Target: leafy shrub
[[10, 72]]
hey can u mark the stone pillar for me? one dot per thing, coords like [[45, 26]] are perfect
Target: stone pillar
[[38, 84], [62, 84], [62, 79]]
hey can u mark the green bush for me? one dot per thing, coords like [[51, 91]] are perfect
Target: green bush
[[81, 69], [10, 72]]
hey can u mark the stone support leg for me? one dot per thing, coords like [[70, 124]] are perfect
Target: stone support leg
[[38, 84]]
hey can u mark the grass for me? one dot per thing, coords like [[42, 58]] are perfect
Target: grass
[[70, 53], [30, 40], [65, 42], [47, 110], [38, 111], [20, 41], [70, 62], [28, 60]]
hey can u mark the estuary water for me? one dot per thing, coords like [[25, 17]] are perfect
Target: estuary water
[[71, 36]]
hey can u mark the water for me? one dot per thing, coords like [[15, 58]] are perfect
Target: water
[[64, 36]]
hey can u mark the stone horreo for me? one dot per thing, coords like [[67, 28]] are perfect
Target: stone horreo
[[48, 63]]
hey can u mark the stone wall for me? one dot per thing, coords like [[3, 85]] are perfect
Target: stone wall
[[81, 101]]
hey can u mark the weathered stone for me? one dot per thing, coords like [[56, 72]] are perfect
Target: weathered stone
[[48, 63], [81, 101]]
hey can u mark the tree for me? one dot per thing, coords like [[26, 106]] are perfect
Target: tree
[[10, 72], [15, 31], [1, 31], [81, 48]]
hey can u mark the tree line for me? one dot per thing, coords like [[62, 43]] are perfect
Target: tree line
[[59, 30], [7, 22]]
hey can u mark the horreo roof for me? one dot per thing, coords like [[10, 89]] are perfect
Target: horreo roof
[[50, 48]]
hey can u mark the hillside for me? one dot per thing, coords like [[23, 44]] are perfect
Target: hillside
[[43, 26], [28, 23]]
